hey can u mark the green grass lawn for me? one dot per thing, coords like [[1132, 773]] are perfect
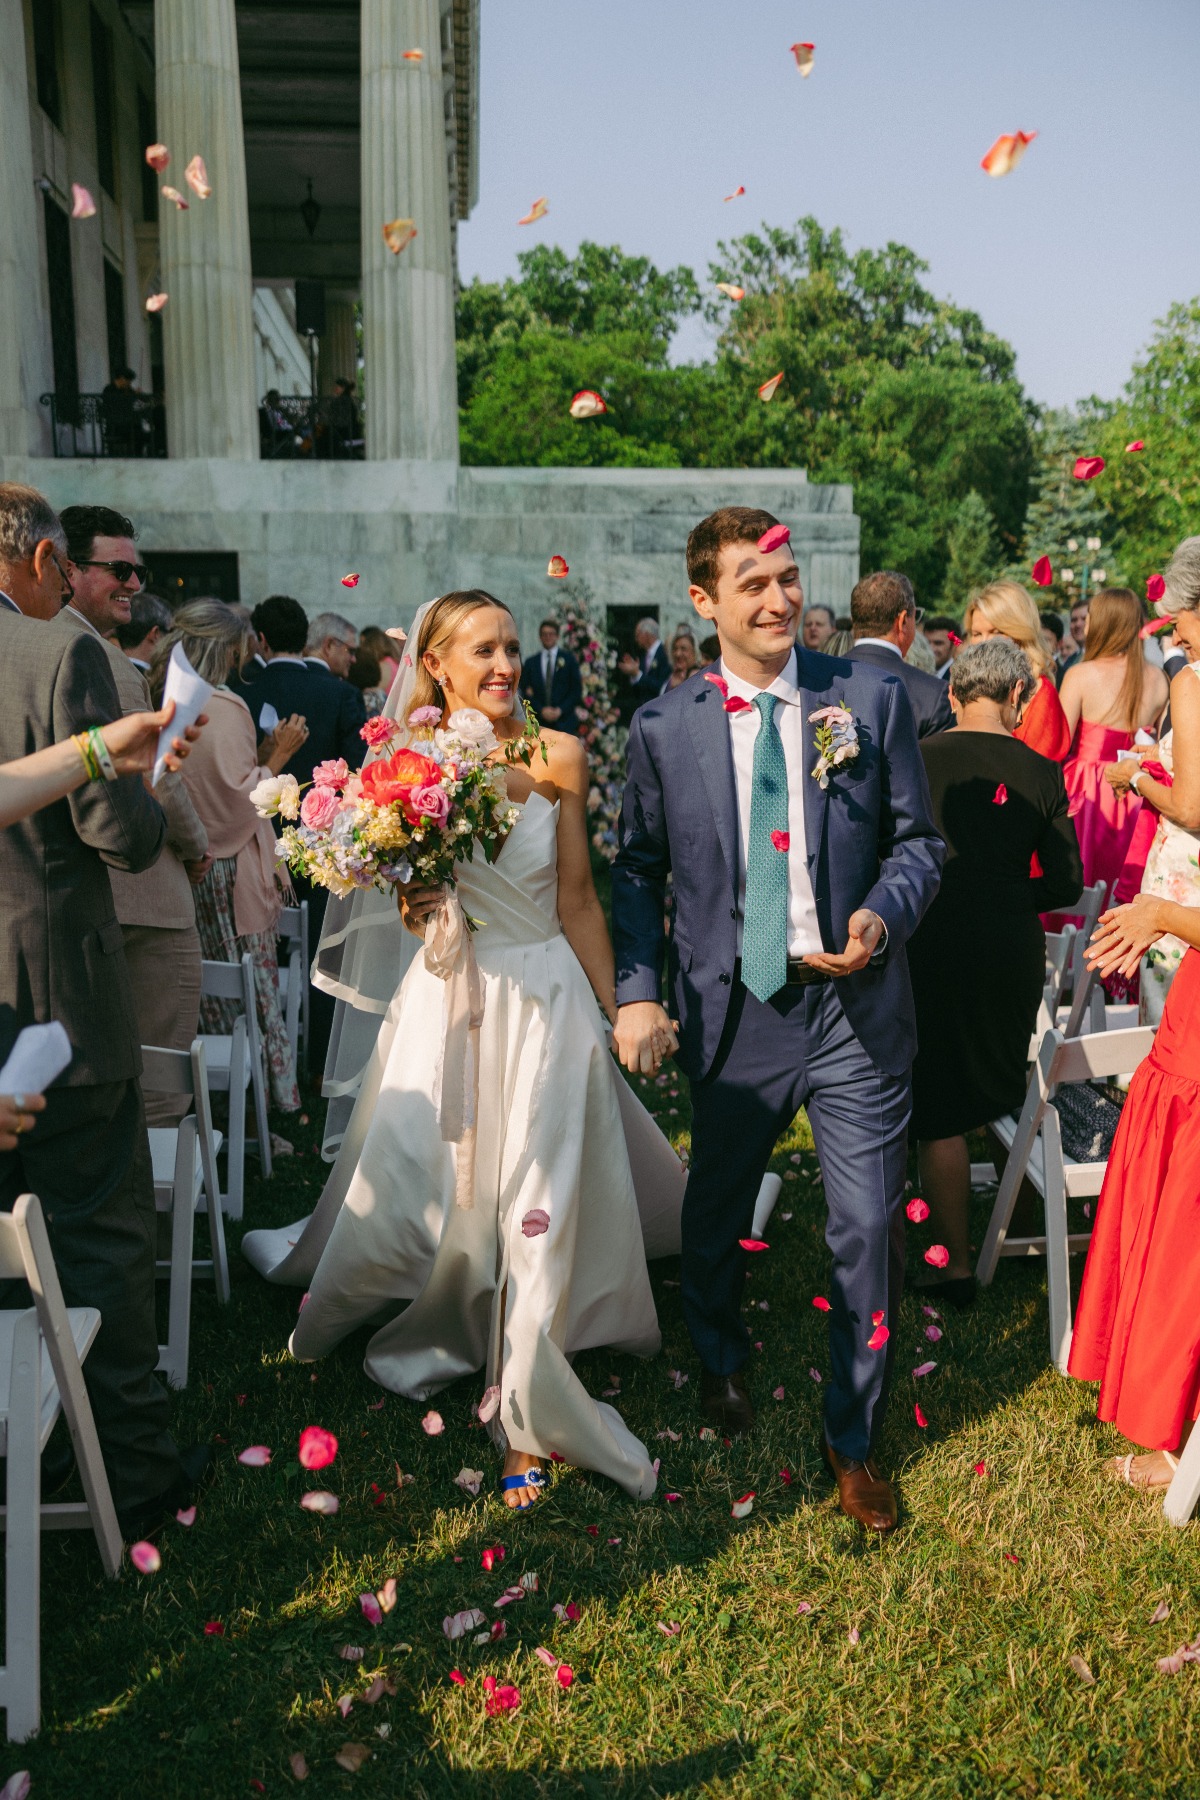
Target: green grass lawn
[[958, 1681]]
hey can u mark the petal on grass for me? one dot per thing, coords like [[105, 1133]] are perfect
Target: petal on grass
[[470, 1481], [933, 1333], [145, 1558], [919, 1416], [1081, 1669], [489, 1406], [187, 1515], [351, 1757], [925, 1368], [344, 1705], [298, 1766], [546, 1656], [318, 1448], [669, 1627], [433, 1424], [821, 1303], [457, 1625], [937, 1256], [981, 1468], [564, 1675], [753, 1244], [1162, 1611], [853, 1634], [458, 1678], [320, 1500], [352, 1653], [256, 1456], [214, 1628], [371, 1609], [386, 1595], [777, 1393], [741, 1509]]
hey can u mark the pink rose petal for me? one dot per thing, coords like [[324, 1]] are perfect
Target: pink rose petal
[[371, 1609], [1156, 587], [719, 683], [558, 568], [256, 1457], [777, 1393], [587, 404], [672, 1499], [853, 1634], [320, 1500], [821, 1303], [981, 1468], [157, 157], [564, 1675], [937, 1256], [83, 206], [187, 1516], [457, 1625], [741, 1509], [351, 580], [774, 538], [1088, 467], [489, 1406], [1042, 574], [917, 1210], [781, 841], [1000, 797], [919, 1416], [1162, 1611], [815, 1374], [753, 1244], [458, 1678], [433, 1424], [494, 1554], [735, 704], [196, 176], [933, 1333], [878, 1338], [566, 1615], [877, 1318], [318, 1448], [925, 1368], [352, 1653], [386, 1595], [669, 1627], [803, 1606], [298, 1766], [535, 1222], [546, 1656], [145, 1558]]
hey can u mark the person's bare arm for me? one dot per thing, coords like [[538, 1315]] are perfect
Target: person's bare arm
[[579, 909], [1181, 802], [1071, 696]]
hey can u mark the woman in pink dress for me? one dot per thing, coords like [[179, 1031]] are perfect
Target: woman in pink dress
[[1107, 697]]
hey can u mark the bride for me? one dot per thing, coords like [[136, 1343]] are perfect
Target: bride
[[548, 1255]]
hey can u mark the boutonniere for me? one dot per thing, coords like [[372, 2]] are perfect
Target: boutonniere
[[836, 740]]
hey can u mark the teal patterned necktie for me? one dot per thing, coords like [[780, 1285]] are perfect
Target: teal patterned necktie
[[765, 917]]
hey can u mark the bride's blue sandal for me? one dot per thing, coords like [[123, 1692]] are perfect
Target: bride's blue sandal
[[532, 1478]]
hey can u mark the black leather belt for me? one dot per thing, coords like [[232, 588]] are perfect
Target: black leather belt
[[802, 974]]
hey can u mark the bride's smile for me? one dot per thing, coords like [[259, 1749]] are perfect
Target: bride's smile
[[480, 666]]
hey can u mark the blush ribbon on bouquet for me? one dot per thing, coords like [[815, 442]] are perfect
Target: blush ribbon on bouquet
[[450, 955]]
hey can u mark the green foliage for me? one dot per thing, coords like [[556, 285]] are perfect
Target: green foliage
[[906, 396], [1153, 495], [971, 544], [1065, 511]]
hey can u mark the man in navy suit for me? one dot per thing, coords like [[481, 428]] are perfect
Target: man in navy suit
[[785, 792], [885, 616], [334, 712], [649, 670], [551, 682]]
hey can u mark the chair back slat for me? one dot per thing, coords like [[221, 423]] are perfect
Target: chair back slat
[[1095, 1056], [223, 981], [166, 1071]]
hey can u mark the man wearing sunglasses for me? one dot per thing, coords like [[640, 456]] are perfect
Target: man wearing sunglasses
[[107, 573]]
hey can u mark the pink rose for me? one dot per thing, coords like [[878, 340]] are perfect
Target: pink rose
[[319, 808], [332, 773], [432, 803], [379, 730]]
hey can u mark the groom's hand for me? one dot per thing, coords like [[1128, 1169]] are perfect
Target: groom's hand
[[866, 932], [642, 1036]]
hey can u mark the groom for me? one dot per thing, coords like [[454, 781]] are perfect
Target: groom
[[794, 897]]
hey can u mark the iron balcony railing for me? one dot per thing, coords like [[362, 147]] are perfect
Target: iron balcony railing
[[296, 425], [117, 422]]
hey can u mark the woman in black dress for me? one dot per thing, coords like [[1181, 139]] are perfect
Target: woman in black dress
[[978, 958]]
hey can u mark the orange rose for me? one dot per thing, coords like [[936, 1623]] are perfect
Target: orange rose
[[394, 781]]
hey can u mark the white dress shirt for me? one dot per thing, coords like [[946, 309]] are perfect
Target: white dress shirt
[[881, 644], [800, 753], [7, 600]]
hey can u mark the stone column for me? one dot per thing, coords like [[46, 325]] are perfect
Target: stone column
[[204, 253], [408, 300], [22, 288], [337, 349]]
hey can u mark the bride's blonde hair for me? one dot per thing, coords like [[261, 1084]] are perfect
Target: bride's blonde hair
[[438, 629]]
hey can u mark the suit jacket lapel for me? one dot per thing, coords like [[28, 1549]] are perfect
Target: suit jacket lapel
[[714, 756]]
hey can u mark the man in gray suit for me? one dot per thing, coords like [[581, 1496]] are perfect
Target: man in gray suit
[[885, 616], [61, 957], [155, 909]]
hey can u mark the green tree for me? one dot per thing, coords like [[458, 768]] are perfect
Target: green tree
[[1153, 495], [1065, 513], [971, 550]]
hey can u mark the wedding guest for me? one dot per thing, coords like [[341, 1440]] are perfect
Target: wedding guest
[[1135, 1327], [885, 617], [996, 804], [86, 1155], [376, 641], [840, 644], [241, 681], [941, 634], [1053, 634], [155, 908], [238, 901], [367, 677], [1173, 865], [817, 626], [149, 617], [1107, 697], [1006, 609], [551, 681], [649, 670], [331, 643], [919, 655], [1073, 642], [710, 650], [684, 660]]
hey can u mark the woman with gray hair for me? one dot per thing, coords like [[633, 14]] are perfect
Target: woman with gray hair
[[238, 900], [978, 957], [1172, 869]]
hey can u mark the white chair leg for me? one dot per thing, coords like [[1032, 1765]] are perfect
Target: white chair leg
[[179, 1306], [23, 1560], [1179, 1502], [216, 1238], [1058, 1261], [1010, 1182], [236, 1148], [259, 1085]]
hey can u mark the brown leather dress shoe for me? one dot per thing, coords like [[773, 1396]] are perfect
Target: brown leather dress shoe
[[726, 1403], [863, 1492]]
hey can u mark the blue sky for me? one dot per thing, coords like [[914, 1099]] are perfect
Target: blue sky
[[634, 117]]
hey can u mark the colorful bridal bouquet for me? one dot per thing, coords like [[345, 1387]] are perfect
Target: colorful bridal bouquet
[[409, 816]]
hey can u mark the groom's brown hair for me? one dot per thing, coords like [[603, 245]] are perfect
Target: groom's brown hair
[[728, 525]]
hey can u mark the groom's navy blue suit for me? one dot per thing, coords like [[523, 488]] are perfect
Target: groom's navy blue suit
[[843, 1051]]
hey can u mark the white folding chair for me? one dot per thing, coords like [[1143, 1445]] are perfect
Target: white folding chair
[[1179, 1502], [41, 1352], [235, 1063], [1034, 1144], [1060, 946], [293, 978], [185, 1183]]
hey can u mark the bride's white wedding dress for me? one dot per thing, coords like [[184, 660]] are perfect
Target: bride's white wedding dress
[[559, 1136]]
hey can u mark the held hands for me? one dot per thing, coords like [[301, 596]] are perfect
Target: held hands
[[866, 933], [133, 740], [17, 1110], [1123, 935], [642, 1036], [417, 905]]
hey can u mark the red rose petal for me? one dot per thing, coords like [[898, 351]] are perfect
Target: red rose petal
[[1042, 574]]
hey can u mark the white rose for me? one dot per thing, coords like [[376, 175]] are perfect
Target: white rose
[[277, 794], [472, 729]]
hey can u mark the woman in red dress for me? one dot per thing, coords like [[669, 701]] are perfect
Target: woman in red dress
[[1137, 1331], [1006, 609]]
